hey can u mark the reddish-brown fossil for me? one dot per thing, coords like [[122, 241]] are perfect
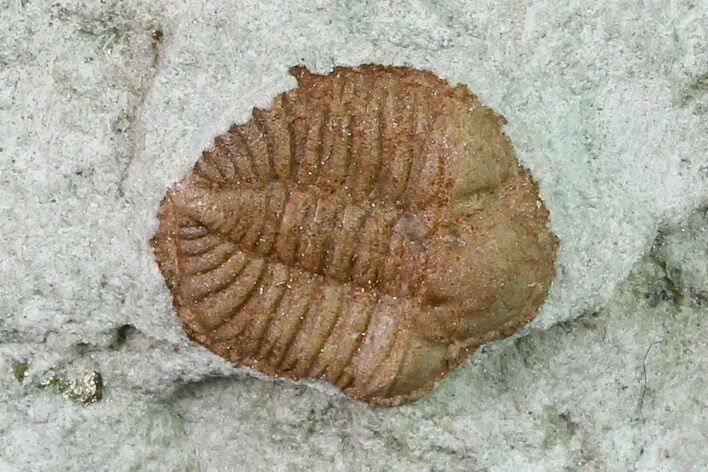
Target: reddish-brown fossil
[[371, 228]]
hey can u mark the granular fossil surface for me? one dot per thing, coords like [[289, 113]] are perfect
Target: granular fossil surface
[[371, 228]]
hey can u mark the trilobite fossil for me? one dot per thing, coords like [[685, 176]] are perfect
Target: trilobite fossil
[[371, 228]]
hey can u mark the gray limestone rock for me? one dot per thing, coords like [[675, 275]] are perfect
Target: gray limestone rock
[[105, 104]]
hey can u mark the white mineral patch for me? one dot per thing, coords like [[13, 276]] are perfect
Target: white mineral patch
[[104, 104]]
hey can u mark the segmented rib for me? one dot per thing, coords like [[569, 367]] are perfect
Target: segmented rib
[[378, 342], [219, 306], [255, 149], [287, 319], [350, 334], [305, 346], [233, 321], [336, 150], [198, 246], [192, 232], [274, 288], [202, 284], [239, 156], [209, 261]]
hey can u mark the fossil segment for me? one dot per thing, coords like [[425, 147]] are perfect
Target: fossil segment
[[371, 228]]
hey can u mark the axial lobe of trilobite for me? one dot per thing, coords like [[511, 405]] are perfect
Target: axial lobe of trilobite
[[314, 230], [365, 229]]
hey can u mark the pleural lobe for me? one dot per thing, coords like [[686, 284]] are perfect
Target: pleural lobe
[[371, 228]]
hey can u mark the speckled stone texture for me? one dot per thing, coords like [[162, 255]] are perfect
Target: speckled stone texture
[[104, 105]]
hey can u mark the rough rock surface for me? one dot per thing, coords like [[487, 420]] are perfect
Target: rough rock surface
[[104, 105]]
